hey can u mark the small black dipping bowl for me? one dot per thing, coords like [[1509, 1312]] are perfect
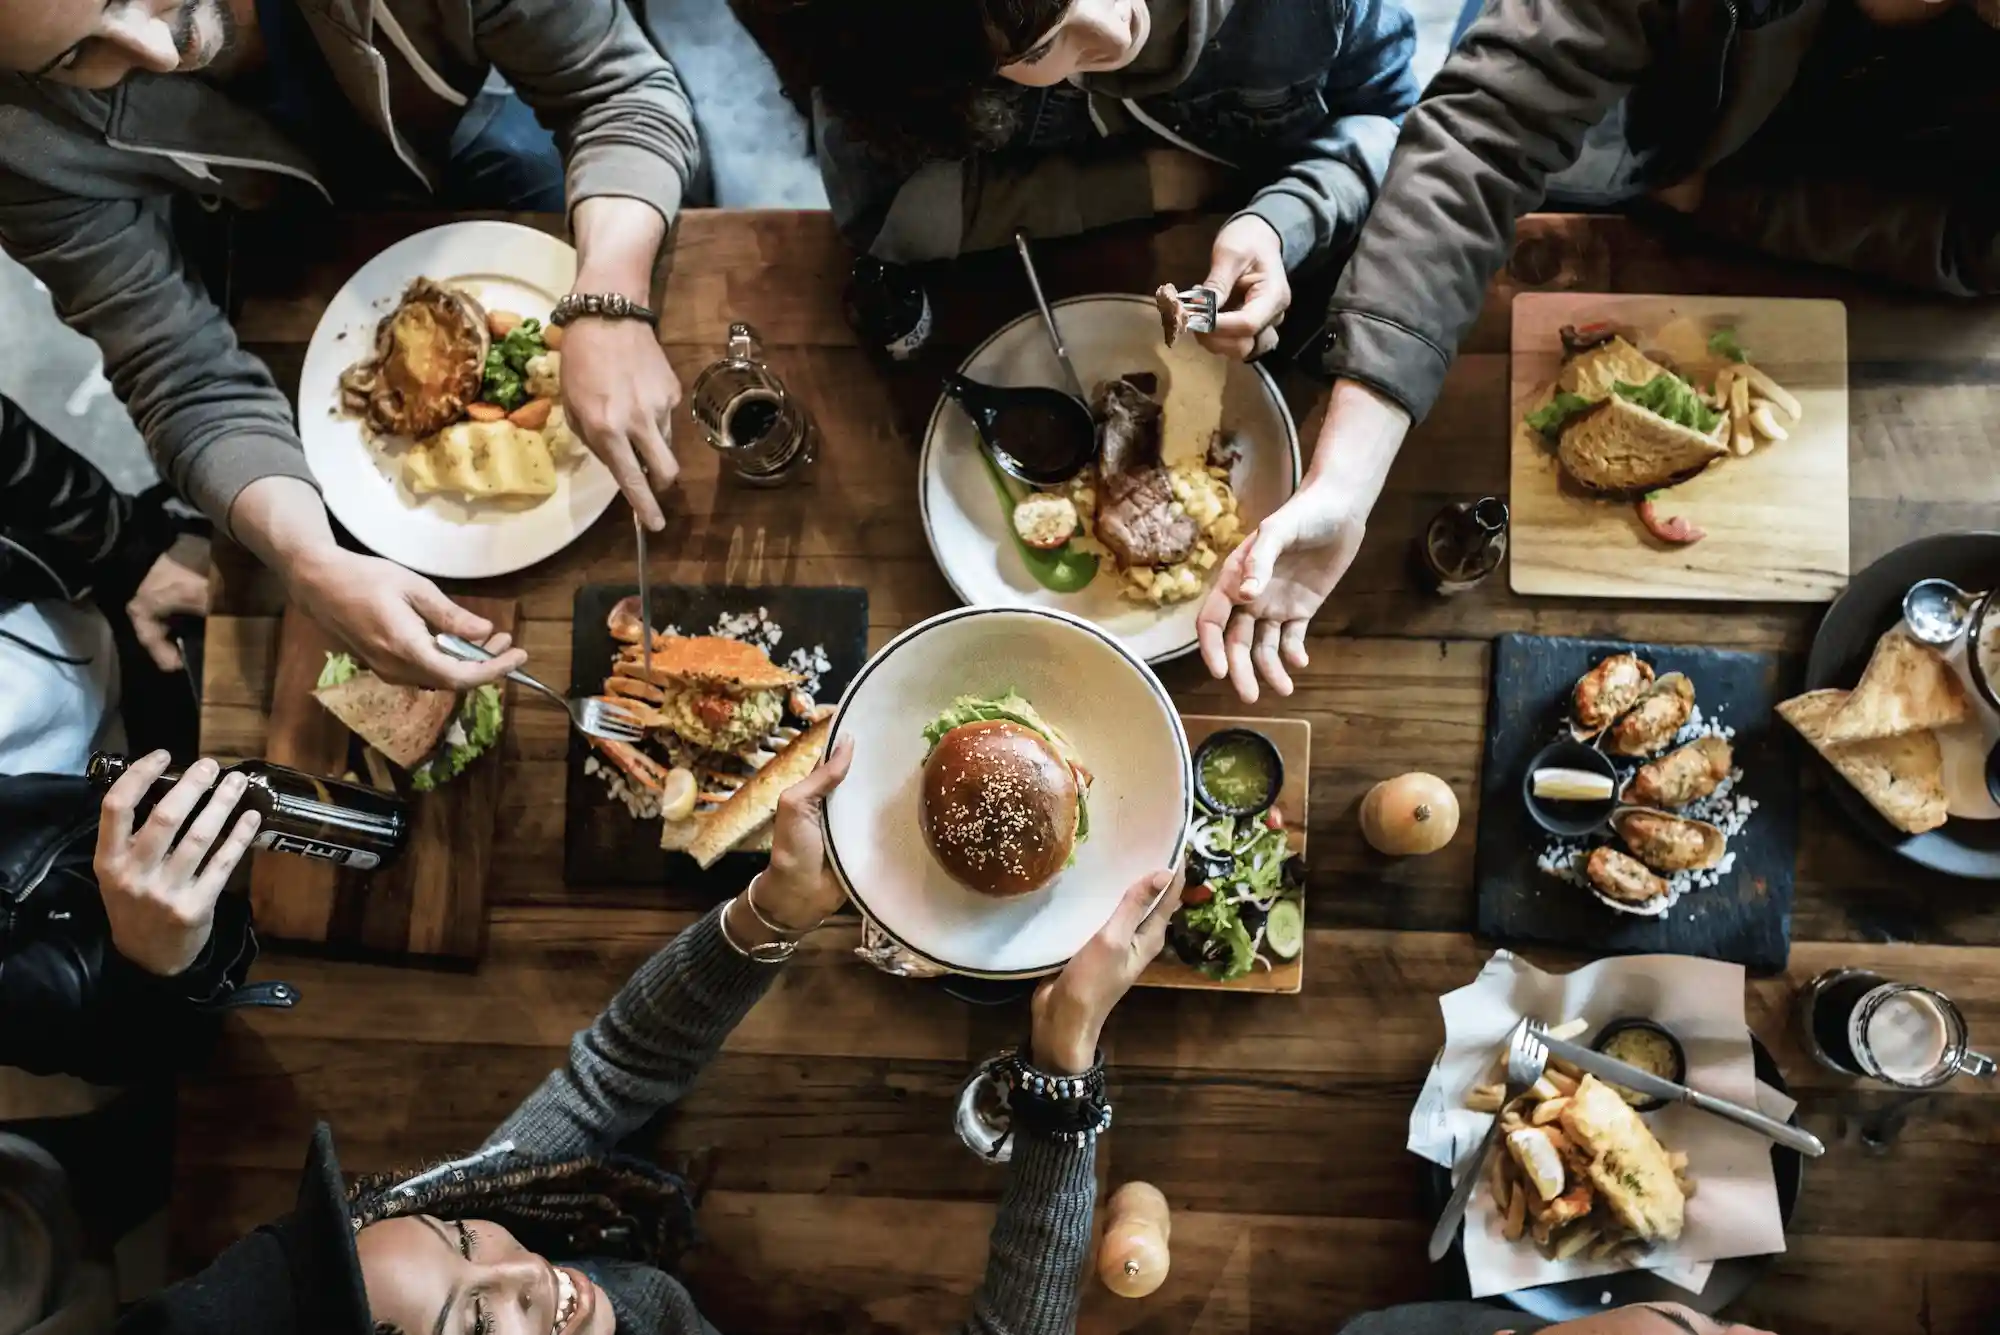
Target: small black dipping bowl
[[1616, 1027], [1262, 743], [1572, 820]]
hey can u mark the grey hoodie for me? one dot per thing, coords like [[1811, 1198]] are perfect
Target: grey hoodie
[[88, 181], [1303, 97]]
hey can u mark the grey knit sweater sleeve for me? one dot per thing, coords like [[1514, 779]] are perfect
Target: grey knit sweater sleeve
[[670, 1020]]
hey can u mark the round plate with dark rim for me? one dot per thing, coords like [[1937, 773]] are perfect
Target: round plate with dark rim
[[1576, 1298], [1872, 604]]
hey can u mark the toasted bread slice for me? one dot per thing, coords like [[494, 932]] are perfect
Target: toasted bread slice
[[756, 802], [1902, 777], [402, 722], [1907, 687], [1592, 373], [1618, 446], [1631, 1172], [710, 660]]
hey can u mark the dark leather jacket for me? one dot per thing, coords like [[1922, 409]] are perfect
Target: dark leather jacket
[[1704, 79], [69, 1002], [65, 531]]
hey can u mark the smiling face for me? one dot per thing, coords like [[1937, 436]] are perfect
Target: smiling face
[[1093, 37], [93, 44], [429, 1276]]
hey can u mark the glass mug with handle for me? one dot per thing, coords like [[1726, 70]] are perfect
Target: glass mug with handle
[[758, 427], [1860, 1023]]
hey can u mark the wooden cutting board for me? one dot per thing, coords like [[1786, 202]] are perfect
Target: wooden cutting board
[[1293, 738], [1776, 519], [431, 901]]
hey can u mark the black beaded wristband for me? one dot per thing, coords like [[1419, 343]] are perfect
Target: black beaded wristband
[[1074, 1108]]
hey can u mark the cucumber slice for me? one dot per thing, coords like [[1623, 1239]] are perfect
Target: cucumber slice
[[1285, 929]]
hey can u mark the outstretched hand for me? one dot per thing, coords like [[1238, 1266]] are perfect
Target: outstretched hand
[[1070, 1010]]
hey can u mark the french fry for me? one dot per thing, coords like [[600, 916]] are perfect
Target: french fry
[[1486, 1098], [1741, 438], [1564, 1082], [1764, 421], [1539, 1231], [1601, 1249], [1569, 1029], [1542, 1091], [1574, 1241], [1723, 378], [1497, 1181], [1547, 1111], [1517, 1216], [1511, 1120], [1768, 388], [1560, 1066]]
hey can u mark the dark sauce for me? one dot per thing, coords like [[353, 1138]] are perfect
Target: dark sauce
[[1040, 436]]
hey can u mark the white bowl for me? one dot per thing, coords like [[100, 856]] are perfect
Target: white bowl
[[1102, 697]]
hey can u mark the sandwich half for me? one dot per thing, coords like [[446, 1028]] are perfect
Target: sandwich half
[[432, 734], [1623, 423]]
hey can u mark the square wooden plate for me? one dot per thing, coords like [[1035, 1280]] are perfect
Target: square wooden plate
[[1776, 519], [1293, 738]]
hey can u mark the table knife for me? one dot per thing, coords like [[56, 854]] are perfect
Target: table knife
[[645, 600], [1645, 1082]]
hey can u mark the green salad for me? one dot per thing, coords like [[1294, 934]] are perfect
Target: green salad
[[1665, 394], [1244, 898], [473, 729]]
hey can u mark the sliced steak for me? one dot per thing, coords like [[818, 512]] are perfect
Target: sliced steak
[[1136, 519], [1128, 426]]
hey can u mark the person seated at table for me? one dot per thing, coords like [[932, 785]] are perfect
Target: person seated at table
[[942, 126], [1479, 1319], [1858, 133], [548, 1228], [116, 118]]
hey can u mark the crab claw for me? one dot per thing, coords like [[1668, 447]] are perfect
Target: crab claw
[[636, 765], [625, 623]]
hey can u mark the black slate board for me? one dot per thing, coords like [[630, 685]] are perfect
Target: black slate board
[[602, 844], [1747, 917]]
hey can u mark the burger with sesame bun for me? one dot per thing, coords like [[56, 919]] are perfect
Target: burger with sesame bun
[[1003, 796]]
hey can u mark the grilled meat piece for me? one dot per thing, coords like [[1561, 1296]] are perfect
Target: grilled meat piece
[[1623, 878], [1128, 424], [1136, 519], [429, 363], [1682, 776]]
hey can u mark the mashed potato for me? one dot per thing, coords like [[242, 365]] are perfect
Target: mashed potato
[[1205, 496]]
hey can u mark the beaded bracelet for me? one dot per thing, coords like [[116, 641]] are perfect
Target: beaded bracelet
[[1073, 1108]]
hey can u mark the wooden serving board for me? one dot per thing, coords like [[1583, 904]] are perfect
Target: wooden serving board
[[1776, 519], [1747, 917], [1293, 738], [431, 901]]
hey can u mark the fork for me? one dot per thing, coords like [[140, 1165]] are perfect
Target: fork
[[1198, 304], [1526, 1059], [602, 719]]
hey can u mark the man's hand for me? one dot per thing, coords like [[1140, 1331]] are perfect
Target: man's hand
[[619, 395], [176, 585], [1254, 620], [1247, 274], [1253, 623], [158, 895], [1069, 1011], [388, 615]]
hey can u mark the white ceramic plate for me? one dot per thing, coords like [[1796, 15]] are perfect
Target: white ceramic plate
[[1108, 335], [1109, 705], [505, 267]]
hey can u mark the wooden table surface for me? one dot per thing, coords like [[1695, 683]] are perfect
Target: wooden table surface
[[841, 1199]]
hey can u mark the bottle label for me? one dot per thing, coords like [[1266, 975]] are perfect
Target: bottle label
[[906, 347], [360, 859]]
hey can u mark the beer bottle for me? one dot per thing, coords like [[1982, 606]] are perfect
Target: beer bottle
[[888, 308], [342, 823]]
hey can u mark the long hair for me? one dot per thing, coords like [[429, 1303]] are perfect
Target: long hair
[[614, 1209], [910, 78]]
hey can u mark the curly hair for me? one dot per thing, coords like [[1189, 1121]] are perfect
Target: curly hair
[[614, 1209], [911, 78]]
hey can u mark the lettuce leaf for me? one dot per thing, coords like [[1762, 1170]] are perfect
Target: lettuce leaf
[[1552, 419], [1672, 398], [478, 722], [339, 668], [1219, 922], [1724, 343]]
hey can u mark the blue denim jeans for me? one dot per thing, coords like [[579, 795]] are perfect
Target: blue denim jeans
[[503, 158]]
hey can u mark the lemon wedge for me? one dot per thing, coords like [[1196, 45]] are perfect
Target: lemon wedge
[[677, 794], [1571, 785]]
